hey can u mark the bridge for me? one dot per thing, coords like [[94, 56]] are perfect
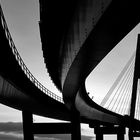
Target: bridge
[[74, 42]]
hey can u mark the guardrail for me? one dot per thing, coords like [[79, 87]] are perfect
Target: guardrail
[[22, 64]]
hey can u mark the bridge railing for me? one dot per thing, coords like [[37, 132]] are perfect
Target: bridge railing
[[21, 62]]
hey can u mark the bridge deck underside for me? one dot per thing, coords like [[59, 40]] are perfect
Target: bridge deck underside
[[116, 22], [18, 91]]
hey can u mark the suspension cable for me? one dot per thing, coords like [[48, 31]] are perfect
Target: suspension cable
[[116, 82], [119, 84]]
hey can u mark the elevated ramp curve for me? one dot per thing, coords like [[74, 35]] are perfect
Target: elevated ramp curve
[[84, 34], [19, 88]]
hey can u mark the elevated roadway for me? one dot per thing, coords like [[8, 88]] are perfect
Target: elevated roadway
[[19, 91], [76, 36]]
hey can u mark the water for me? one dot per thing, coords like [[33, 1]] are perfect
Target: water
[[19, 136], [15, 136]]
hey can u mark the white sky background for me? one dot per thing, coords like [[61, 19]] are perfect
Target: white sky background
[[103, 76], [22, 17]]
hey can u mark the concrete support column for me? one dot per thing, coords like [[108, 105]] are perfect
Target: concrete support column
[[27, 125], [101, 130], [131, 134], [120, 136], [120, 132], [134, 88], [98, 133], [99, 136], [75, 125]]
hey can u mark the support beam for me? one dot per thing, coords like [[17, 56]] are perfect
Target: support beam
[[98, 132], [102, 130], [52, 128], [133, 134], [120, 136], [99, 136], [130, 134], [30, 128], [134, 88], [27, 125], [76, 127]]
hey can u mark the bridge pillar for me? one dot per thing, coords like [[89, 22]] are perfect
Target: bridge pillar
[[98, 132], [30, 128], [101, 130], [75, 125], [120, 135], [133, 134], [136, 78], [27, 125], [130, 133]]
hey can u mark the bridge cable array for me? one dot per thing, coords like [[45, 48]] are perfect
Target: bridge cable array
[[118, 98]]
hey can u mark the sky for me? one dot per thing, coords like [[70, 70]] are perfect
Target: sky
[[22, 17]]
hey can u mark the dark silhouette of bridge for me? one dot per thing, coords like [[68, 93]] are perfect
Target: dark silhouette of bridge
[[76, 36]]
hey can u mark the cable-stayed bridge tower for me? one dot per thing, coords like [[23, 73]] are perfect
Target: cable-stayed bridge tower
[[124, 95], [134, 107]]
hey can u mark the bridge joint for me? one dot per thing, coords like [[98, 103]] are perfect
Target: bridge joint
[[52, 128]]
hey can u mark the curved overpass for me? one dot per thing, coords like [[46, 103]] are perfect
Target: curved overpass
[[73, 43], [19, 88], [76, 36]]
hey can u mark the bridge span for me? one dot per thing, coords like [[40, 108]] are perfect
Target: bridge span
[[75, 37], [19, 89]]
